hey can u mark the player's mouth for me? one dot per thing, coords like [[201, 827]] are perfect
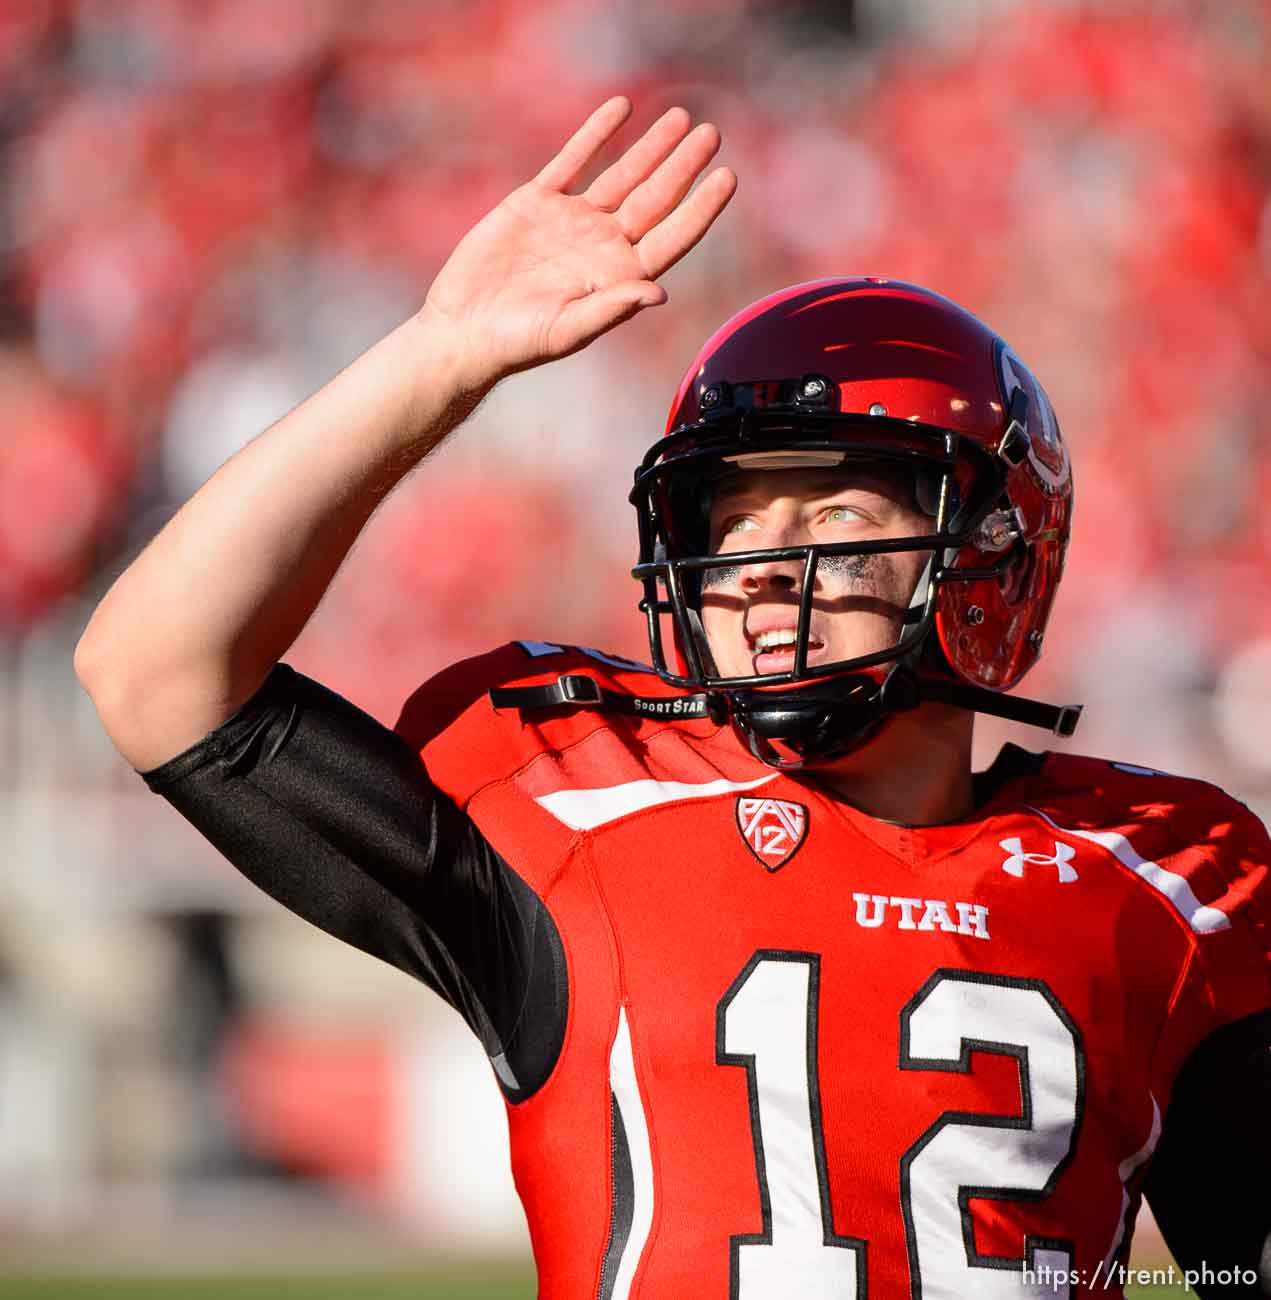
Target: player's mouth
[[774, 650]]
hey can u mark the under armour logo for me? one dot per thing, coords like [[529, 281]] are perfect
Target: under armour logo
[[772, 828], [1064, 854]]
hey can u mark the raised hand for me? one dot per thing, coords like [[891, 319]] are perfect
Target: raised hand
[[547, 271]]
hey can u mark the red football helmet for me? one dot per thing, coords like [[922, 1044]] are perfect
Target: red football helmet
[[866, 369]]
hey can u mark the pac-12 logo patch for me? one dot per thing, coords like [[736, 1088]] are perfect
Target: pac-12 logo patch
[[772, 828]]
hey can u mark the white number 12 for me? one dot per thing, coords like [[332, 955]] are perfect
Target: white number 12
[[767, 1024]]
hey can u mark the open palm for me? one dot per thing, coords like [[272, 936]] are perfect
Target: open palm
[[547, 271]]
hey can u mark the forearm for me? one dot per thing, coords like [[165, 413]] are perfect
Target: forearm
[[191, 629], [194, 625]]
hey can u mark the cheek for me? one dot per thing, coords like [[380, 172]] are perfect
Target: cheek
[[874, 573], [848, 568], [720, 616], [722, 624], [724, 576], [889, 578]]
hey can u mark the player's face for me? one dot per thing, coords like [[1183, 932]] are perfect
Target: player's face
[[750, 613]]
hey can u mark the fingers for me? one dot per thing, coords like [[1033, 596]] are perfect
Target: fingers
[[584, 144], [612, 186], [650, 202], [645, 189], [675, 234]]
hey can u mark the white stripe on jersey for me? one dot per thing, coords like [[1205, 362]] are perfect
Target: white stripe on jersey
[[1126, 1170], [1202, 918], [626, 1093], [584, 810]]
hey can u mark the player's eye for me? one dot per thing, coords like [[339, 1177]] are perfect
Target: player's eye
[[841, 514], [739, 524], [732, 530]]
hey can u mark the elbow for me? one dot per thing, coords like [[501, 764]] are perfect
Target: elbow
[[103, 685], [152, 709], [97, 668], [89, 664], [112, 654], [121, 703]]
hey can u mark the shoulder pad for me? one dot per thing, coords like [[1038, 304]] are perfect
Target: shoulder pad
[[466, 743], [1189, 839]]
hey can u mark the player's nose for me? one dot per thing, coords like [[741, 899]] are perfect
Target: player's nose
[[775, 574], [784, 527]]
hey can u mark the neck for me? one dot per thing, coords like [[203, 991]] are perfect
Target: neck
[[916, 771]]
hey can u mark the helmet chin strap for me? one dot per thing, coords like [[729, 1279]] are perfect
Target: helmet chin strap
[[827, 720], [794, 728], [1061, 719]]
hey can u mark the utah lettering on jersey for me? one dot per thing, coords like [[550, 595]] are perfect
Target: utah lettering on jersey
[[872, 910]]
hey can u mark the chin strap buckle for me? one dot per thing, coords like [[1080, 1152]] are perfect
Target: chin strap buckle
[[578, 688], [1066, 722]]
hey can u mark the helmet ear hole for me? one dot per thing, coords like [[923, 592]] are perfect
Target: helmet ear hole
[[1016, 578], [927, 493]]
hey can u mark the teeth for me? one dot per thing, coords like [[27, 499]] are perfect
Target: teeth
[[778, 636]]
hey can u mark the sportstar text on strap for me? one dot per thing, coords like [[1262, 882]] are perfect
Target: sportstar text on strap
[[581, 691]]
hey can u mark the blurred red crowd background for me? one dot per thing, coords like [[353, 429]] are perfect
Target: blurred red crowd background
[[209, 207]]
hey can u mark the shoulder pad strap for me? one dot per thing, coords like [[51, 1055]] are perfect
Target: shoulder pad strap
[[577, 690]]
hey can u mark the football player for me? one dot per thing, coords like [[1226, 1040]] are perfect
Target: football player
[[784, 1000]]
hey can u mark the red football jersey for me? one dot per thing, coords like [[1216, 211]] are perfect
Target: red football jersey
[[810, 1054]]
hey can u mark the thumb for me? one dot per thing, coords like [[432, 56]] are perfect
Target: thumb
[[652, 294], [589, 317]]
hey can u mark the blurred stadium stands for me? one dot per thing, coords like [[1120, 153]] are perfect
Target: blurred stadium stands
[[207, 208]]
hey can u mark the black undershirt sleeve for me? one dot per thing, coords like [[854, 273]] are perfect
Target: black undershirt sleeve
[[1209, 1182], [333, 815]]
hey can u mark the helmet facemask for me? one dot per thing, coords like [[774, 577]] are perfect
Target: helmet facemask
[[811, 711]]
